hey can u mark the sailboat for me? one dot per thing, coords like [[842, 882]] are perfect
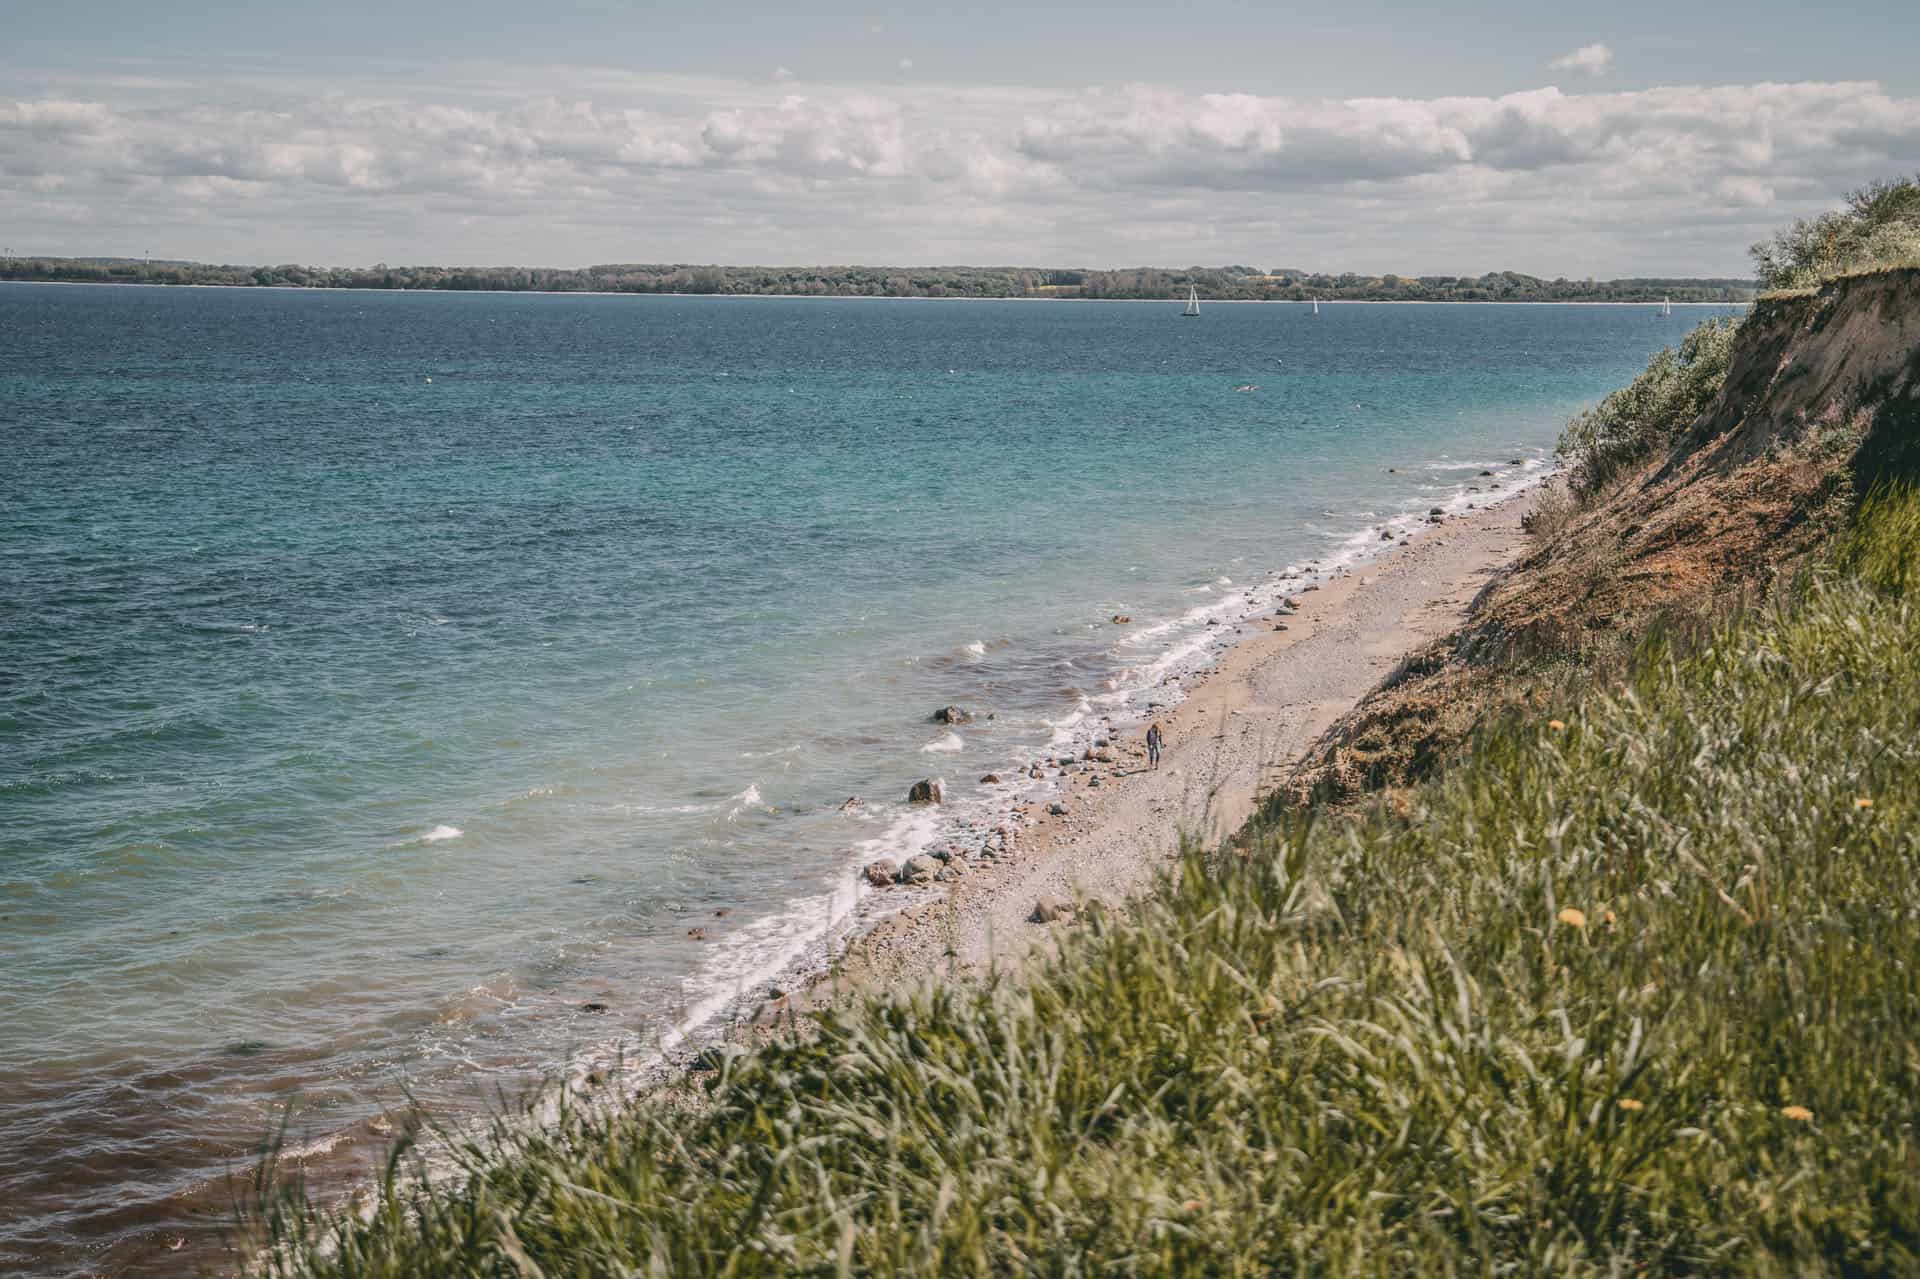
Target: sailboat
[[1316, 306], [1193, 302], [1666, 308]]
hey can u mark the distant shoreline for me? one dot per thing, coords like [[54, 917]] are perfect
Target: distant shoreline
[[853, 297]]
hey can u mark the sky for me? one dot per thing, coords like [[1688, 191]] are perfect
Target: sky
[[1423, 138]]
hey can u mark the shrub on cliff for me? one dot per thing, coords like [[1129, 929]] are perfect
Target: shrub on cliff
[[1652, 410], [1879, 226]]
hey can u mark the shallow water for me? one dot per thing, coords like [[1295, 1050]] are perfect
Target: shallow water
[[383, 677]]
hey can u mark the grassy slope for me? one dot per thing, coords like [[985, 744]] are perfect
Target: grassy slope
[[1557, 1011]]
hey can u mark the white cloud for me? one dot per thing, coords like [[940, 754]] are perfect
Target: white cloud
[[1594, 59], [637, 168]]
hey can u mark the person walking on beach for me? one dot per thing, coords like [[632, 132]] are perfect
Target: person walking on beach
[[1155, 739]]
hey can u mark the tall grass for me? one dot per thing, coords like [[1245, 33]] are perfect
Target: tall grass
[[1635, 988]]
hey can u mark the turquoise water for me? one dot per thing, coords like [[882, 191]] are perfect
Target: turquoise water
[[384, 677]]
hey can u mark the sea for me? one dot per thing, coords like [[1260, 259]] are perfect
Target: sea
[[405, 697]]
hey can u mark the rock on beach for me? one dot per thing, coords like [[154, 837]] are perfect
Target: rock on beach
[[1050, 908]]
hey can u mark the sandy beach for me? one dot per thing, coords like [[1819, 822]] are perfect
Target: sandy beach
[[1243, 722]]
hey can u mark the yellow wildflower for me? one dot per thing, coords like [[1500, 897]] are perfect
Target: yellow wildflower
[[1628, 1103], [1797, 1112], [1571, 917], [1556, 725], [1863, 802]]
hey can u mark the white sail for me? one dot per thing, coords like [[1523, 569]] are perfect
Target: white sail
[[1193, 300], [1316, 306]]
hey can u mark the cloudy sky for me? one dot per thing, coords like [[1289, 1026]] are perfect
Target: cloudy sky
[[1632, 138]]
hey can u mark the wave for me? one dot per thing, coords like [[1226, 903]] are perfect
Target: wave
[[946, 744], [746, 799], [439, 833]]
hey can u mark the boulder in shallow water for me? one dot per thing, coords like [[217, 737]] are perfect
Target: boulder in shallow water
[[991, 779], [850, 803], [927, 791], [1121, 619], [952, 715], [882, 873], [919, 870]]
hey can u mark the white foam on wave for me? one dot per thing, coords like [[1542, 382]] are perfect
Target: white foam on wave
[[439, 833], [945, 744], [761, 950], [668, 810], [315, 1148], [1062, 729], [978, 648], [746, 799]]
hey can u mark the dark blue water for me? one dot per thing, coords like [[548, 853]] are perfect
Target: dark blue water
[[382, 677]]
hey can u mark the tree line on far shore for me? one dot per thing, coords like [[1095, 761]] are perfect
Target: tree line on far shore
[[1236, 283]]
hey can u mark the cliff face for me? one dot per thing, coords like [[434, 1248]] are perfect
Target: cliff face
[[1843, 360], [1822, 400]]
